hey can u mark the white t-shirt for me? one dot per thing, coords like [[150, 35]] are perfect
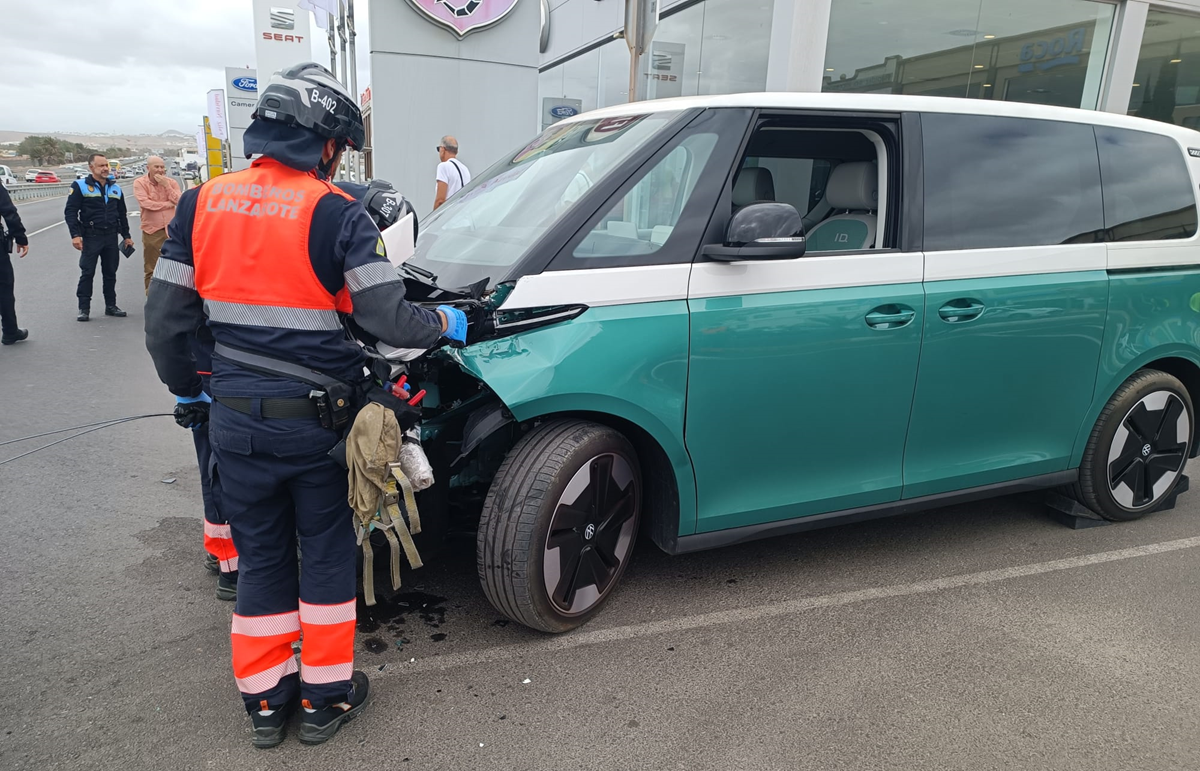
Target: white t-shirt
[[455, 174]]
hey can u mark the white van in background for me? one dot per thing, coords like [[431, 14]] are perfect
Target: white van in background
[[6, 176]]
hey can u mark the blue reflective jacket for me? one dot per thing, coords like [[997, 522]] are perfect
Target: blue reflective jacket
[[96, 207]]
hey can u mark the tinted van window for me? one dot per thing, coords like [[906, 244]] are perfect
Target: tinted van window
[[1000, 182], [1147, 190]]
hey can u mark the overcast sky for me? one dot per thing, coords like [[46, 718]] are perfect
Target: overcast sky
[[127, 66]]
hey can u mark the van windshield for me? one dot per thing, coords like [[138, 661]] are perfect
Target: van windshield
[[489, 226]]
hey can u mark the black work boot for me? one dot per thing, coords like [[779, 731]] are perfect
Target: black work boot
[[84, 315], [211, 564], [227, 586], [269, 730], [318, 726], [113, 310], [15, 337]]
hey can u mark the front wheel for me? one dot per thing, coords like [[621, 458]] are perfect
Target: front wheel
[[1138, 449], [559, 524]]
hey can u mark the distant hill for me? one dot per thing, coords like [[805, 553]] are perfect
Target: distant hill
[[167, 139]]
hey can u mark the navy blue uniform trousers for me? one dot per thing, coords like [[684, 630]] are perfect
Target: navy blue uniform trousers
[[217, 539], [273, 482], [8, 300], [100, 248]]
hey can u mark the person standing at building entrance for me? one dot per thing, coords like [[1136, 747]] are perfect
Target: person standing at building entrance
[[8, 301], [452, 174], [157, 194], [95, 214]]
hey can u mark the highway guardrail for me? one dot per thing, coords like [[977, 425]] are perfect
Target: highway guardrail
[[32, 190]]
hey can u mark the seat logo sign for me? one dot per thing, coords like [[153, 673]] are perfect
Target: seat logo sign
[[462, 17]]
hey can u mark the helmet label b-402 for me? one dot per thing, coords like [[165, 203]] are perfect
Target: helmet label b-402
[[325, 100]]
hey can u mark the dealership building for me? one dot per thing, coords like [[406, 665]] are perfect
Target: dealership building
[[494, 72]]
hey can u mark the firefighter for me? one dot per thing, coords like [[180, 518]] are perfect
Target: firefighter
[[220, 554], [267, 258]]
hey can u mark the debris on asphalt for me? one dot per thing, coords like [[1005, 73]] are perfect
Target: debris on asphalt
[[526, 681], [169, 481]]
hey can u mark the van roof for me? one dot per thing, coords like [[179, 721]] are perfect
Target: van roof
[[894, 103]]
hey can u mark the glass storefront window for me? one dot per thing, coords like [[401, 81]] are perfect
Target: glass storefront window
[[711, 47], [1042, 51], [1166, 84]]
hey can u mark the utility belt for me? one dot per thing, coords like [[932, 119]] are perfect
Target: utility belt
[[88, 230], [333, 401]]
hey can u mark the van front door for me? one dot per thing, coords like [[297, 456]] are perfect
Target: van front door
[[1016, 295], [802, 371]]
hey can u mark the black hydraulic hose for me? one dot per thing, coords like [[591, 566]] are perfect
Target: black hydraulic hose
[[85, 425], [90, 427]]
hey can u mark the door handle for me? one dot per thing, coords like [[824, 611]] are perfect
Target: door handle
[[958, 311], [890, 317]]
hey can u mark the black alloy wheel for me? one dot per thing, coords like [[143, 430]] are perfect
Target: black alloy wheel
[[559, 524], [591, 534], [1138, 449], [1149, 450]]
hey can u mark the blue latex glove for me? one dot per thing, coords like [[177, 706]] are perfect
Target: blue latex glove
[[192, 411], [456, 324], [203, 397]]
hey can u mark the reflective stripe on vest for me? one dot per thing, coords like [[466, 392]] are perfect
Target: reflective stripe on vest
[[250, 249]]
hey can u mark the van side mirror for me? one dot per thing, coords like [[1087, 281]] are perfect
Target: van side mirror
[[761, 231]]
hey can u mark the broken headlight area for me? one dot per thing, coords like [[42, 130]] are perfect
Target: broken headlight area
[[465, 430]]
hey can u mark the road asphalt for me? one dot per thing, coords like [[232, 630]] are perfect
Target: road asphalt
[[979, 636]]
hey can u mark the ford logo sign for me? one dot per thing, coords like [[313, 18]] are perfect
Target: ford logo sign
[[245, 84], [563, 111]]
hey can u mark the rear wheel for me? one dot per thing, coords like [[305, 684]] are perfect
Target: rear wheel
[[1138, 449], [559, 524]]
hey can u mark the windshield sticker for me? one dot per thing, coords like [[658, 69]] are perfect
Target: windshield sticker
[[548, 139], [610, 128]]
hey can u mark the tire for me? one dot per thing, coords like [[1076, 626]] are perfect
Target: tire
[[1138, 449], [559, 466]]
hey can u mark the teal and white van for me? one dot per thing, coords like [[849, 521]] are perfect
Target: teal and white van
[[725, 318]]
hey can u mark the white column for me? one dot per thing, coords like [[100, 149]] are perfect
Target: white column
[[799, 31], [1123, 59]]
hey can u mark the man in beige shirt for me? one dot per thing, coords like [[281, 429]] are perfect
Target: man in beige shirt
[[157, 194]]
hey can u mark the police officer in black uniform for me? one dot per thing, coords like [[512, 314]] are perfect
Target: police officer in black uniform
[[95, 215], [9, 331]]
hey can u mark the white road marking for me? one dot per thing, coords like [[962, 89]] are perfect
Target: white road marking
[[744, 615], [63, 222], [43, 230]]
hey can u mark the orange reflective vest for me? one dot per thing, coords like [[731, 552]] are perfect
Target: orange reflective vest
[[250, 239]]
